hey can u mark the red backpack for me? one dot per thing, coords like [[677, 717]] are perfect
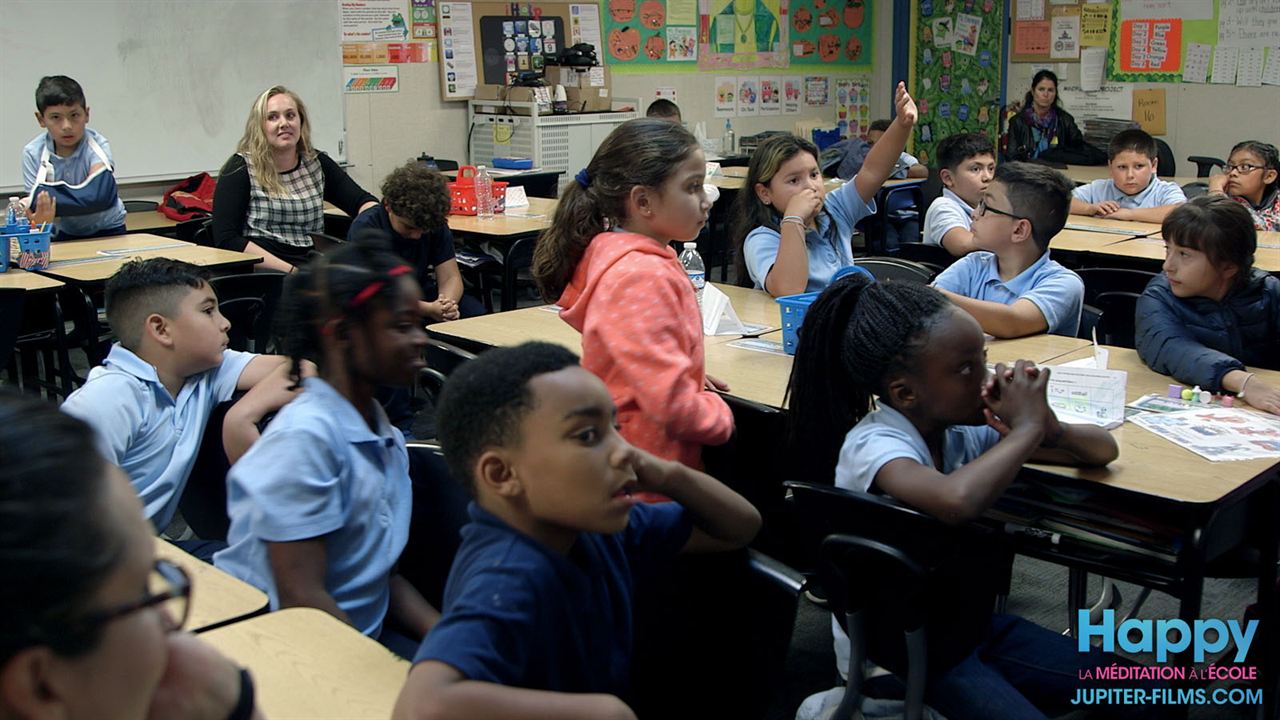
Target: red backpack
[[190, 198]]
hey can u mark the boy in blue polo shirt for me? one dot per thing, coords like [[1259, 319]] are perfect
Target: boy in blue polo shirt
[[413, 212], [966, 162], [539, 602], [151, 398], [69, 151], [1133, 192], [1013, 288]]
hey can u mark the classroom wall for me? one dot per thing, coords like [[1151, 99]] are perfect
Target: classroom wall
[[1200, 119]]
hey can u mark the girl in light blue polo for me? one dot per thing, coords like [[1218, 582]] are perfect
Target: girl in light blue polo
[[320, 506], [791, 237]]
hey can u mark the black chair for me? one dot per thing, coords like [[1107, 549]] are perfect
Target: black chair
[[326, 241], [1116, 327], [10, 321], [336, 225], [967, 569], [204, 500], [442, 359], [203, 235], [187, 229], [890, 268], [1164, 158], [754, 475], [244, 314], [51, 328], [257, 329], [140, 205], [1204, 165], [1195, 189], [514, 267], [1105, 279], [926, 254], [439, 513], [1089, 318]]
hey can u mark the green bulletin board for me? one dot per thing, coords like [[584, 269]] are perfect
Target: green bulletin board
[[955, 70], [830, 32], [1196, 31], [645, 34]]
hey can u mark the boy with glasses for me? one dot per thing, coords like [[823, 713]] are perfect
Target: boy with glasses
[[1009, 284]]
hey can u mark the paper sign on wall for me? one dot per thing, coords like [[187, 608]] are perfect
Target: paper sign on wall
[[1149, 110]]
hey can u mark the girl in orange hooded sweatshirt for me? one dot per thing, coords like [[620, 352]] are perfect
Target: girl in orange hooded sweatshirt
[[607, 261]]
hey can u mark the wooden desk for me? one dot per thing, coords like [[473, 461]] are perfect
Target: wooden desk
[[513, 222], [1132, 227], [1083, 241], [734, 182], [147, 220], [1151, 465], [216, 597], [1264, 258], [96, 260], [308, 664], [16, 277]]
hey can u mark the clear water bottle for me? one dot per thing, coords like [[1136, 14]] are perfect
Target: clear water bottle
[[484, 193], [694, 268], [728, 141], [15, 214]]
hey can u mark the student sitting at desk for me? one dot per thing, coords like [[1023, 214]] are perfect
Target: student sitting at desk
[[791, 237], [966, 162], [664, 109], [76, 158], [607, 261], [876, 411], [320, 505], [89, 619], [1212, 313], [151, 399], [1133, 192], [1014, 289], [413, 213], [1252, 178], [271, 193], [540, 600]]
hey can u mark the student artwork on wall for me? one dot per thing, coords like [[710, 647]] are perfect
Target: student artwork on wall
[[641, 33], [853, 106], [771, 95], [792, 89], [830, 32], [726, 96], [955, 70], [748, 96], [742, 33]]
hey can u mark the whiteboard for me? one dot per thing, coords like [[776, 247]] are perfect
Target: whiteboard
[[168, 82]]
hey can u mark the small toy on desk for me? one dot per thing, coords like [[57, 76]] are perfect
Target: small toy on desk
[[1228, 401], [1206, 397], [1175, 391], [1186, 394], [1195, 394]]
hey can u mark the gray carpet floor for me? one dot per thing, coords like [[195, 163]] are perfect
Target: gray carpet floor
[[1039, 594]]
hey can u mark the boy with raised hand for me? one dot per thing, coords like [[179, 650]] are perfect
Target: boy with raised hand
[[151, 398], [538, 607], [966, 162], [69, 151], [1133, 192], [1014, 289]]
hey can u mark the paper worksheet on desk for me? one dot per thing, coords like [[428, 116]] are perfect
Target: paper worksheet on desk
[[1084, 395], [1217, 434]]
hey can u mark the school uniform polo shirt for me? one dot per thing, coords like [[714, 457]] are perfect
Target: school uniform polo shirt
[[320, 471], [520, 614], [948, 211], [828, 245], [151, 435], [73, 170], [1057, 291], [1157, 193]]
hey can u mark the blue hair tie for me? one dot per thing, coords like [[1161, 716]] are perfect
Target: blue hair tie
[[583, 178]]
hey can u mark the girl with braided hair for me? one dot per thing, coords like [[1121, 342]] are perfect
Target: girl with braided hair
[[876, 412], [607, 261], [320, 506]]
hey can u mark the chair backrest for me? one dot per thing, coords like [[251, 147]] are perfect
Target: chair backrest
[[264, 286], [187, 230], [204, 499], [890, 268], [1117, 324], [756, 475], [324, 242], [1089, 317], [1100, 280], [926, 254], [244, 314], [140, 205], [1164, 155], [439, 513], [1195, 189], [10, 320], [203, 235], [1204, 165]]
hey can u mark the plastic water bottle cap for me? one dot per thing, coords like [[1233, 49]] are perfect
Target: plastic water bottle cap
[[691, 245]]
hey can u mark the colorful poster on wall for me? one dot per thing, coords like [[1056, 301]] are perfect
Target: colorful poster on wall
[[792, 89], [1151, 46], [373, 21], [816, 90], [742, 33], [640, 33], [955, 70], [748, 96], [423, 18], [827, 32], [1095, 24], [726, 96], [853, 106], [771, 95], [1148, 44], [682, 44], [370, 79]]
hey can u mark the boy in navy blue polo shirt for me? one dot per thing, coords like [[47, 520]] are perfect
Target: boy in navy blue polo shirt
[[413, 212], [538, 607], [1013, 288]]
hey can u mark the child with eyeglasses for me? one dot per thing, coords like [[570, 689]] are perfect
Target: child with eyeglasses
[[88, 616], [1251, 177], [1009, 284]]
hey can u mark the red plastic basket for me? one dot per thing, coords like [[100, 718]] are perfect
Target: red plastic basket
[[462, 193]]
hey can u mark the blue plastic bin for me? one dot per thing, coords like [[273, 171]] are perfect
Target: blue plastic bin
[[793, 308], [32, 246]]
